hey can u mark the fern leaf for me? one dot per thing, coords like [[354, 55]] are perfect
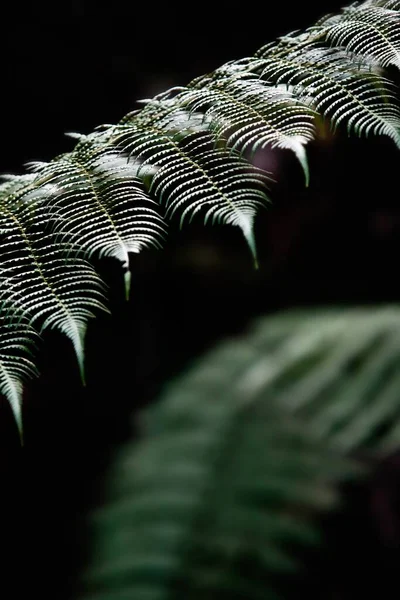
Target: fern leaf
[[346, 379], [17, 341], [38, 276], [208, 490], [388, 4], [226, 472], [251, 115], [240, 450], [328, 80], [192, 175], [368, 30], [13, 186], [96, 198], [190, 150]]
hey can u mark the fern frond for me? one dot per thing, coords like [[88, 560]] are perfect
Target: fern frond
[[96, 198], [327, 79], [251, 115], [190, 150], [389, 4], [13, 185], [215, 484], [192, 175], [241, 452], [339, 369], [367, 30], [48, 286], [17, 342]]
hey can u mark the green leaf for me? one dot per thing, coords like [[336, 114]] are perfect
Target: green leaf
[[367, 30], [191, 150], [242, 452], [191, 175], [98, 203], [330, 82], [250, 115], [49, 286], [17, 342]]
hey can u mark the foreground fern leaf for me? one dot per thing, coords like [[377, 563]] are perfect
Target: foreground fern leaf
[[192, 175], [241, 452], [17, 341], [187, 153], [47, 286], [388, 4], [249, 114], [97, 199], [328, 80], [369, 30]]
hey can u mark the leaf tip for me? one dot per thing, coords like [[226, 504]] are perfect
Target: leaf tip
[[302, 158], [14, 397], [79, 347], [248, 233], [21, 434], [127, 279], [81, 364]]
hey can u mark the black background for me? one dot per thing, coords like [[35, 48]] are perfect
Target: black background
[[73, 65]]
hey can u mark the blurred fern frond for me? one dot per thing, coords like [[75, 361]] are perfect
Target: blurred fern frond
[[241, 453]]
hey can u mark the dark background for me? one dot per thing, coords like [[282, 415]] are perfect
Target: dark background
[[73, 65]]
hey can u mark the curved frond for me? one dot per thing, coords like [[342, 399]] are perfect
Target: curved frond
[[241, 452], [251, 115], [214, 486], [17, 342], [96, 198], [13, 185], [370, 30], [389, 4], [38, 276], [193, 175], [337, 369], [327, 79], [190, 150]]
